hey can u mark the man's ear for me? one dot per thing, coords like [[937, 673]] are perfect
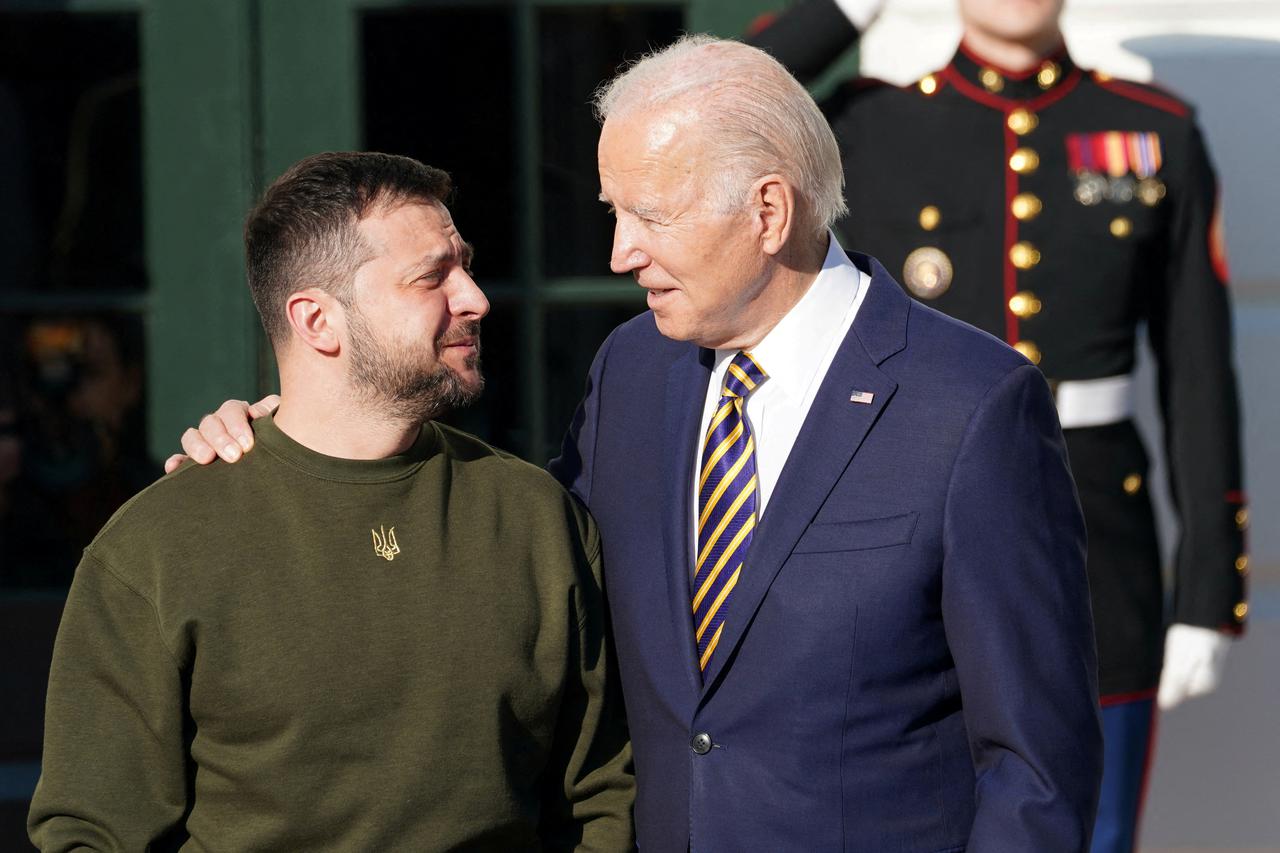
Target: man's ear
[[774, 202], [316, 318]]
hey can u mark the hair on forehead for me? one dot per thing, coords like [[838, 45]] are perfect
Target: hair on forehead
[[304, 232], [757, 118]]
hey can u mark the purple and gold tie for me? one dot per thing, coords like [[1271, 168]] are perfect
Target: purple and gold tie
[[726, 504]]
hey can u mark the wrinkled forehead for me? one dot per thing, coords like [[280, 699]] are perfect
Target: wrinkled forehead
[[656, 144]]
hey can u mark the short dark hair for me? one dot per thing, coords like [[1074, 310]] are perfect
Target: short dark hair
[[303, 230]]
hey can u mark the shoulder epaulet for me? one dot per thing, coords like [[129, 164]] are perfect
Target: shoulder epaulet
[[1144, 93]]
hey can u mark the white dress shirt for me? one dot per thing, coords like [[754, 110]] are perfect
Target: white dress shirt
[[795, 355]]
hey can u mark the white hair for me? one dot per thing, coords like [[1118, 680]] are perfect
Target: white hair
[[758, 119]]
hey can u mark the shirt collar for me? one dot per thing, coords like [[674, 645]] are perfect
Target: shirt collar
[[793, 350]]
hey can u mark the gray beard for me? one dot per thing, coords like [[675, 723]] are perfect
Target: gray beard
[[401, 389]]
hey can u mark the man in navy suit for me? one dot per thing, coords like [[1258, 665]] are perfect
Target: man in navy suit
[[843, 551], [897, 653]]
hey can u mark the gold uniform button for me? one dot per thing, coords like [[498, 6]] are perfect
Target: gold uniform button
[[1121, 227], [1022, 121], [1024, 304], [1029, 351], [1241, 610], [930, 216], [1242, 518], [928, 84], [1026, 206], [1024, 161], [1132, 484], [991, 79], [1023, 255], [1048, 75], [1102, 76], [1242, 564]]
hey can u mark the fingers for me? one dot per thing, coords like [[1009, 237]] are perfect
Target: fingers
[[265, 406], [214, 436], [174, 462], [227, 430], [1173, 688], [1194, 659], [195, 446]]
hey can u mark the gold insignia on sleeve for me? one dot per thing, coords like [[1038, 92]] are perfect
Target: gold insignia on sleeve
[[927, 272], [384, 544]]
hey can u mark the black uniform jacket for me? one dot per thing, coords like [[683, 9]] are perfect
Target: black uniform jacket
[[1060, 209]]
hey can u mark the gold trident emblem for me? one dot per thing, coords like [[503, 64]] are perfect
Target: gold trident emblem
[[385, 545]]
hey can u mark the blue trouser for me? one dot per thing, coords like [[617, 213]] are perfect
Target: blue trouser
[[1128, 729]]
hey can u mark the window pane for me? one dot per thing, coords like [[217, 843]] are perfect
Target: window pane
[[72, 438], [438, 87], [72, 425], [70, 153], [580, 48]]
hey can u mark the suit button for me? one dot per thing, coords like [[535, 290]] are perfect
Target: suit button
[[1023, 255], [1026, 206], [1022, 121], [1024, 304], [701, 743], [1029, 351], [1024, 161]]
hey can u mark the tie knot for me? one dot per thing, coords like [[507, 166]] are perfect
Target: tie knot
[[743, 376]]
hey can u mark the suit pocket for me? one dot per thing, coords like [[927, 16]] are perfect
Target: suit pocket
[[858, 535]]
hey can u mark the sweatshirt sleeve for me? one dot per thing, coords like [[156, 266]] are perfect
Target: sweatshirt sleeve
[[590, 783], [114, 766]]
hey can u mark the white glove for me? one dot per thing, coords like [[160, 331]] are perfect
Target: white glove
[[861, 12], [1193, 661]]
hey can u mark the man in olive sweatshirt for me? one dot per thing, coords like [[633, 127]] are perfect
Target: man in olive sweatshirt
[[376, 633]]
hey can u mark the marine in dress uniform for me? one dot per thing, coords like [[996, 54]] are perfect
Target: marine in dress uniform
[[1060, 209]]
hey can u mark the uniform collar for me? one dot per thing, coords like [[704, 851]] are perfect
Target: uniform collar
[[979, 78]]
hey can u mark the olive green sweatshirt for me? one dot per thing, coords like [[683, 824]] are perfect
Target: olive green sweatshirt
[[299, 652]]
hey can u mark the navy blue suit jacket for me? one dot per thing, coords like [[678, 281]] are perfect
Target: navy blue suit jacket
[[907, 662]]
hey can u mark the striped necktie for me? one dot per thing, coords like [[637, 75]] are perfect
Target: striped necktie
[[726, 504]]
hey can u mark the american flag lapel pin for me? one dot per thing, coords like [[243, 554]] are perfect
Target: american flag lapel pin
[[864, 397]]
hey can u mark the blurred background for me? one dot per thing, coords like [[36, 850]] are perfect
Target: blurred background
[[135, 134]]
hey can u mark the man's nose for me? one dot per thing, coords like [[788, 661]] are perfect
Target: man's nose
[[626, 255], [468, 300]]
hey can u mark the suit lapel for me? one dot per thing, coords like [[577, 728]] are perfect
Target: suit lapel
[[833, 430], [686, 392]]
